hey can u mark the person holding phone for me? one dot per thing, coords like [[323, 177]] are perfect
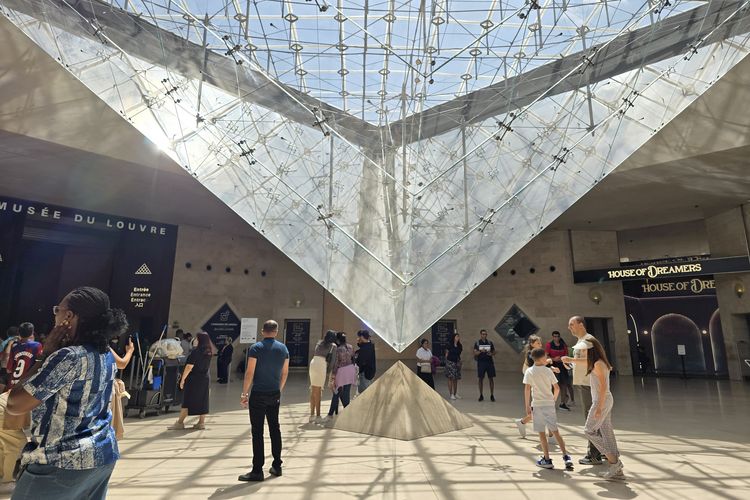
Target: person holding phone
[[73, 450]]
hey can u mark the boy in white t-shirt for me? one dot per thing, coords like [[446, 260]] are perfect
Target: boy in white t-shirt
[[540, 394]]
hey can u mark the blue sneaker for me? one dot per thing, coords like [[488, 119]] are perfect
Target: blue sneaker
[[545, 463], [568, 461]]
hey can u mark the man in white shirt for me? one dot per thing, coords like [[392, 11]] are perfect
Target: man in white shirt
[[577, 326]]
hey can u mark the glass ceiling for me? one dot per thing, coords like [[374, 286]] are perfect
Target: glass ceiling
[[399, 153], [384, 60]]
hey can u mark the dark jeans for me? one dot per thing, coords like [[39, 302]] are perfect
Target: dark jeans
[[265, 406], [426, 376], [222, 370], [45, 481], [584, 399], [343, 394]]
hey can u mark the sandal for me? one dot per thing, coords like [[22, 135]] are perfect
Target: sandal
[[199, 427], [176, 427]]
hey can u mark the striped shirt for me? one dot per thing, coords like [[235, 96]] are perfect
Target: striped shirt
[[71, 428]]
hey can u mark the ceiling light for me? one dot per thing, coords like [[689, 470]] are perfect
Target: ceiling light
[[291, 17], [486, 24], [437, 20], [389, 18], [296, 47]]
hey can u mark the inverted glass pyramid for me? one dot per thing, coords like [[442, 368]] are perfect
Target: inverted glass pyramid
[[398, 152]]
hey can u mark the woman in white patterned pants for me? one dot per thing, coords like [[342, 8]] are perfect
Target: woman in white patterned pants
[[598, 428]]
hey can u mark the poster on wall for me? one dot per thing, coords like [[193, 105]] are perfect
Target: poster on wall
[[249, 331], [442, 334], [223, 323], [298, 341]]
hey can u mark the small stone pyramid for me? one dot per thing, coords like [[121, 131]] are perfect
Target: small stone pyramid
[[399, 405]]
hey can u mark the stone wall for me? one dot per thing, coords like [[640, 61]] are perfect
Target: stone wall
[[547, 295], [658, 242]]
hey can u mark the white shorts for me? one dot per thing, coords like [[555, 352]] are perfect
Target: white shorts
[[544, 417], [318, 371]]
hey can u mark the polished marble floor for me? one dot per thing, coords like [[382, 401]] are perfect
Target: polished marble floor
[[679, 440]]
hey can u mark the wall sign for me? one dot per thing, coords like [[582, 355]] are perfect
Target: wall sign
[[40, 211], [297, 339], [249, 331], [665, 270], [442, 335], [223, 323], [132, 260]]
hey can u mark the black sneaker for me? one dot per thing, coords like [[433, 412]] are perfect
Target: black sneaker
[[275, 471], [588, 460], [251, 476], [481, 397], [564, 407], [492, 397]]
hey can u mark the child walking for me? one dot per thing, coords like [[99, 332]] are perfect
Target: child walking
[[541, 392], [598, 428]]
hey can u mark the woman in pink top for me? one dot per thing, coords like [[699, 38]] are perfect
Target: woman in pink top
[[343, 376]]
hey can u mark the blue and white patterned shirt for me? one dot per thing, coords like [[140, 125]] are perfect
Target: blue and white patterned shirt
[[71, 428]]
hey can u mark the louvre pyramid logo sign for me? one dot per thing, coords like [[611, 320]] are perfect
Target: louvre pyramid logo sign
[[399, 188], [143, 270]]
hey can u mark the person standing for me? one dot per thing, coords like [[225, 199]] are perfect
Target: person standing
[[598, 426], [11, 336], [556, 349], [223, 360], [484, 352], [194, 382], [23, 354], [453, 365], [424, 363], [365, 359], [581, 379], [344, 375], [265, 378], [321, 367], [73, 449]]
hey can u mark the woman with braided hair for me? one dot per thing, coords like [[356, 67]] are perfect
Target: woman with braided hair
[[72, 451]]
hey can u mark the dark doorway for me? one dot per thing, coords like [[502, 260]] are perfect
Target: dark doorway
[[36, 290], [600, 328]]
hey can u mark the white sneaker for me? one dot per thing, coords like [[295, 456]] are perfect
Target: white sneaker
[[521, 427], [311, 420], [453, 397], [614, 471], [457, 396]]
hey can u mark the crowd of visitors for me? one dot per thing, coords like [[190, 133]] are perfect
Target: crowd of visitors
[[43, 383]]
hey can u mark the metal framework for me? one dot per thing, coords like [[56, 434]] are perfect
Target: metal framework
[[399, 152]]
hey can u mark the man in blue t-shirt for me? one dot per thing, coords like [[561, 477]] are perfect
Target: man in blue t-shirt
[[266, 372]]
